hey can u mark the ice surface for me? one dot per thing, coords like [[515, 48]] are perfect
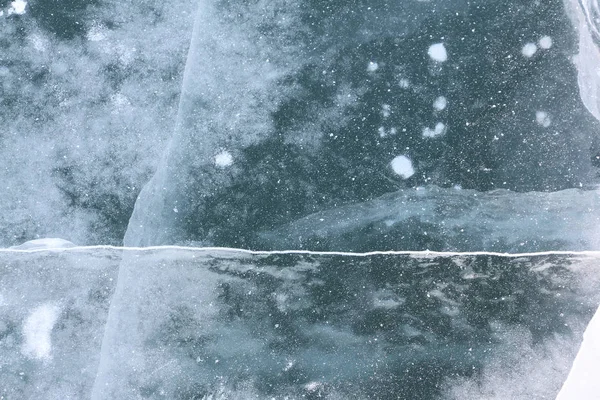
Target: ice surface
[[231, 323], [195, 323], [448, 219], [582, 382], [53, 310], [300, 125], [320, 109]]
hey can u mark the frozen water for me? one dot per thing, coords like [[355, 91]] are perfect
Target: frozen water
[[200, 322], [312, 120], [582, 382], [298, 125], [447, 219]]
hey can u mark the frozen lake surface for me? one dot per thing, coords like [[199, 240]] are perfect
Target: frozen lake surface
[[225, 323]]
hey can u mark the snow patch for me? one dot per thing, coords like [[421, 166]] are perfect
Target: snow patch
[[223, 159], [438, 52], [440, 103], [404, 83], [37, 329], [402, 166], [545, 42], [529, 50], [440, 129]]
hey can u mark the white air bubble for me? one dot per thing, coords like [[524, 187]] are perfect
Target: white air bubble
[[402, 166], [372, 67], [438, 52], [223, 159], [529, 50], [440, 103], [440, 129], [545, 42], [543, 119]]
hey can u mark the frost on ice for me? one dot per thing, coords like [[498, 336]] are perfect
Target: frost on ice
[[437, 52], [37, 330], [402, 166]]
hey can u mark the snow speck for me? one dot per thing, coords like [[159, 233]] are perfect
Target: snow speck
[[223, 159], [440, 128], [440, 103], [372, 67], [402, 166], [437, 52], [17, 7], [37, 330], [529, 50], [381, 132], [542, 118], [545, 42]]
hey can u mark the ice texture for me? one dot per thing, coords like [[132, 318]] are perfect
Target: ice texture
[[53, 310], [451, 220], [315, 110], [582, 382], [205, 322]]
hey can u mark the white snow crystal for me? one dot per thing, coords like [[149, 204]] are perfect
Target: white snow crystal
[[437, 52], [529, 50], [545, 42], [17, 7], [542, 118], [223, 159], [372, 67], [36, 331], [402, 166], [440, 128], [440, 103]]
